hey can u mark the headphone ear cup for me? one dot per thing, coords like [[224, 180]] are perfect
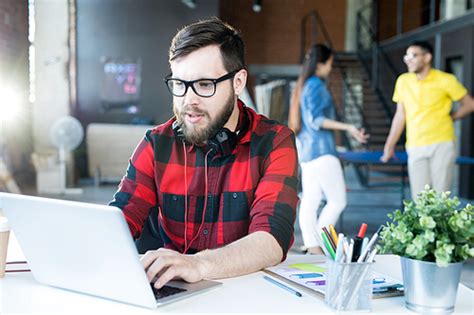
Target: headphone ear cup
[[223, 142], [178, 131]]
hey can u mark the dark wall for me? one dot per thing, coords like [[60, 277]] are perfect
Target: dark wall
[[461, 44], [130, 28]]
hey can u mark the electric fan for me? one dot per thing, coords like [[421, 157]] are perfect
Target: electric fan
[[66, 134]]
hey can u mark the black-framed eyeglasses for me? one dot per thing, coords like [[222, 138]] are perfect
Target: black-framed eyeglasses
[[202, 87]]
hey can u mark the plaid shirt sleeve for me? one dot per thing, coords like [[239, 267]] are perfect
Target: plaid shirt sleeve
[[274, 207], [136, 194]]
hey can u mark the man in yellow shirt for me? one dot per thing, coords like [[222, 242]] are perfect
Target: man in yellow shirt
[[424, 99]]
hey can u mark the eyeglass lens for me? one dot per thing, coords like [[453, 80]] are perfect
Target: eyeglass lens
[[200, 87], [410, 56]]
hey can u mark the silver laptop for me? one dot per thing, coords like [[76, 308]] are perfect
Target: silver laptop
[[86, 248]]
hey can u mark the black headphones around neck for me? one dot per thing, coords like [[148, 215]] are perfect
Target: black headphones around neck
[[223, 141]]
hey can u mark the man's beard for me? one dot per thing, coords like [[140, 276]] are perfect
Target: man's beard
[[200, 134]]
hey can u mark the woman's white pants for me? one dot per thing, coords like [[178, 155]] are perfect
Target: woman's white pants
[[321, 177]]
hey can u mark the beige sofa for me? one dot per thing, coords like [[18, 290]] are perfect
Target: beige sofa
[[109, 147]]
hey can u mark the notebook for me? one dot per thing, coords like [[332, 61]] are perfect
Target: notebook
[[86, 248]]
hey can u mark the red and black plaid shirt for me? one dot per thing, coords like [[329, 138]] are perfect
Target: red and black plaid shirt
[[252, 189]]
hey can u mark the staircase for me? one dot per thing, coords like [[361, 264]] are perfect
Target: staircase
[[358, 103]]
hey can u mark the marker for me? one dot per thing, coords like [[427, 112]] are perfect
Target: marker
[[306, 275], [281, 285], [333, 233], [378, 280], [358, 242], [316, 282]]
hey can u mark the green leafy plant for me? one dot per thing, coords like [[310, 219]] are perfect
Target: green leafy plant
[[431, 228]]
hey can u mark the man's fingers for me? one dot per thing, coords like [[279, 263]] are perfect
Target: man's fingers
[[166, 276], [151, 255], [160, 266]]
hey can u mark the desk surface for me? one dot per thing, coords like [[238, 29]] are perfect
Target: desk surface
[[19, 292]]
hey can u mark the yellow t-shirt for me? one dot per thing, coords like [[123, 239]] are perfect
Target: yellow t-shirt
[[427, 104]]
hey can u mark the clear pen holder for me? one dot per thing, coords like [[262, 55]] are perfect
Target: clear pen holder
[[349, 286]]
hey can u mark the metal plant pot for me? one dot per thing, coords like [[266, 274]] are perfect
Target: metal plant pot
[[430, 289]]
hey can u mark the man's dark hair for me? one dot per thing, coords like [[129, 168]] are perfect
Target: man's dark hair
[[210, 32], [424, 45]]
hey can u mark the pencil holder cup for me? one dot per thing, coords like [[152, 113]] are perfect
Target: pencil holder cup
[[349, 286]]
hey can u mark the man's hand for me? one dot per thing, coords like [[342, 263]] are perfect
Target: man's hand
[[358, 134], [388, 153], [166, 265]]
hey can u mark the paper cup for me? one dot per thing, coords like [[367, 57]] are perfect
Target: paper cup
[[4, 235]]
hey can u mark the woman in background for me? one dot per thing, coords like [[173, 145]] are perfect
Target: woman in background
[[312, 118]]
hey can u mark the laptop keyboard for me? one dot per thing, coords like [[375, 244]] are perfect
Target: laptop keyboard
[[166, 291]]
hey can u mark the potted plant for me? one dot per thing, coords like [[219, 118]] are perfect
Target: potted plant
[[433, 236]]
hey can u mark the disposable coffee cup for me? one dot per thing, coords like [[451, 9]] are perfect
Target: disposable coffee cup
[[4, 235]]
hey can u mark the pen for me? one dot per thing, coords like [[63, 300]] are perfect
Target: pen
[[316, 282], [340, 248], [350, 251], [281, 285], [371, 243], [358, 242], [364, 244]]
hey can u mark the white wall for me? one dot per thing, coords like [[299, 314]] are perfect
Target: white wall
[[351, 21], [51, 61]]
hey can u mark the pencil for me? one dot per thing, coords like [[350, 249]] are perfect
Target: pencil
[[333, 233]]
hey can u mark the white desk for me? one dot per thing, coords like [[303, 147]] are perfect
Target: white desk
[[19, 292]]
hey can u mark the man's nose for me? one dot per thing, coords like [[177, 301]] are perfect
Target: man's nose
[[190, 97]]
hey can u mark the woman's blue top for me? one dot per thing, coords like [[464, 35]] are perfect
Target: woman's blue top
[[316, 105]]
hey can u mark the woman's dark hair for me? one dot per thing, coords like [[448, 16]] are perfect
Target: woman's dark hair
[[318, 53], [210, 32]]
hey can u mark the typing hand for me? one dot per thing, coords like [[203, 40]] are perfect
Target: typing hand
[[166, 264]]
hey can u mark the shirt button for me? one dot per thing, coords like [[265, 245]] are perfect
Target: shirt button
[[175, 198], [234, 195], [205, 231]]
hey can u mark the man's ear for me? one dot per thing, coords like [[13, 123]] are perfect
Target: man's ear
[[240, 80], [428, 58]]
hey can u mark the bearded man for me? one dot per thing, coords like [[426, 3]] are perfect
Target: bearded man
[[221, 178]]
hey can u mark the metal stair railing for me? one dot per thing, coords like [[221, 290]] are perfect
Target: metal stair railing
[[376, 51], [316, 21]]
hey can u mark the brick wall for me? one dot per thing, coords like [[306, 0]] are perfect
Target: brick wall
[[415, 14], [272, 36]]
